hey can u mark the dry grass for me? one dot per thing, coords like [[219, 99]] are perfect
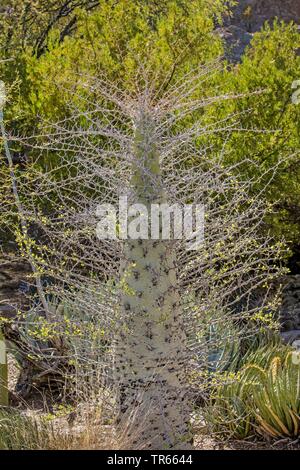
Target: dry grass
[[42, 425], [34, 431]]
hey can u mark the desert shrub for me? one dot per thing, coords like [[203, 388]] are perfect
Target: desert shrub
[[68, 349]]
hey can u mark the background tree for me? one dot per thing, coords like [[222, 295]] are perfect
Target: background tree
[[174, 38], [270, 120]]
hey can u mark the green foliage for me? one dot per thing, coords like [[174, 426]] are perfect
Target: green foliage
[[223, 352], [113, 40], [31, 22], [117, 39], [270, 121]]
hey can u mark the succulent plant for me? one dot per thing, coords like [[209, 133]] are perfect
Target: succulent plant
[[263, 397]]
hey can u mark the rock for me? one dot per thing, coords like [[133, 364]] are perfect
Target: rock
[[8, 311], [289, 312], [13, 274], [249, 17], [252, 14], [236, 40], [288, 337]]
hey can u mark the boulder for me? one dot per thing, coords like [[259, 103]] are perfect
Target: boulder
[[288, 337]]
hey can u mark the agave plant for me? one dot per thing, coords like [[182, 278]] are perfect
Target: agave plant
[[263, 397], [277, 399], [229, 413]]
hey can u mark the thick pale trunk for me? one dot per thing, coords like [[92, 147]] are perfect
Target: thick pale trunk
[[151, 353]]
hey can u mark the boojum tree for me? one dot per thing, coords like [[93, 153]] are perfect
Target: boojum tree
[[151, 292]]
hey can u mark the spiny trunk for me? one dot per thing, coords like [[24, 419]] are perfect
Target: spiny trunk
[[151, 351]]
